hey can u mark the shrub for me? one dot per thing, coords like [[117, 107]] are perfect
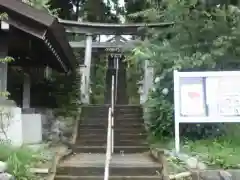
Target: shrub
[[199, 40], [19, 160]]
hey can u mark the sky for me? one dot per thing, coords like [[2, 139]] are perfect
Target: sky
[[121, 2], [104, 37]]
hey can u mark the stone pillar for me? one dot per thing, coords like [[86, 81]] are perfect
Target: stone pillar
[[26, 92], [81, 70], [86, 72], [147, 82]]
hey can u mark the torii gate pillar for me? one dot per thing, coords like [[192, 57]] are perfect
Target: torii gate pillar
[[85, 81]]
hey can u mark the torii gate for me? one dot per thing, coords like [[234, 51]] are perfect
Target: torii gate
[[115, 45]]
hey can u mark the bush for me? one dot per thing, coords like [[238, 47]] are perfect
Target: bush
[[200, 40], [159, 115], [19, 160]]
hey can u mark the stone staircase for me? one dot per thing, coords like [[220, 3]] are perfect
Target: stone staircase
[[130, 159]]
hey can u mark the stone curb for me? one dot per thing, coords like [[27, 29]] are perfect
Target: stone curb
[[199, 171], [191, 163], [62, 151], [160, 156]]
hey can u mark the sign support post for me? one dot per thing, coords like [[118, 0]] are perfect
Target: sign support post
[[177, 110]]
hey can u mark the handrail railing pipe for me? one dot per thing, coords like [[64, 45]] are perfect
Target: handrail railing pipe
[[109, 145], [110, 133], [116, 80], [113, 109]]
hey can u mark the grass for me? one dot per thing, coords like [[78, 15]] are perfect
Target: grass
[[20, 160], [222, 152]]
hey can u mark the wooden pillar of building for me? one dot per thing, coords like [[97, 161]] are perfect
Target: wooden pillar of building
[[3, 54], [26, 91]]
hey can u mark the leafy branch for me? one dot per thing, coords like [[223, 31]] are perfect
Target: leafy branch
[[3, 16], [7, 59]]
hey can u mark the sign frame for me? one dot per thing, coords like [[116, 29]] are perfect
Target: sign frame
[[198, 119]]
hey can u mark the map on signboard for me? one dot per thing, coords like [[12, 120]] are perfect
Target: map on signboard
[[192, 100], [228, 96]]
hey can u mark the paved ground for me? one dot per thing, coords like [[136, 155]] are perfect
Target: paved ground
[[98, 160]]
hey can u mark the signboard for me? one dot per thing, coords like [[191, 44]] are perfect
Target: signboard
[[206, 97]]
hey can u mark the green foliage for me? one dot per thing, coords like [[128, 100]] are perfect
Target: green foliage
[[19, 160], [43, 5], [134, 74], [3, 16], [98, 82], [67, 93], [218, 152], [7, 59], [200, 39]]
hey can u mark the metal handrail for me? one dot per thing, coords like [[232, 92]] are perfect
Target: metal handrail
[[110, 131], [112, 112], [109, 144]]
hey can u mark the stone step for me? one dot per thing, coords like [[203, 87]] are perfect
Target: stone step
[[128, 116], [95, 115], [117, 149], [110, 178], [128, 106], [116, 107], [128, 111], [95, 106], [92, 126], [116, 116], [102, 142], [114, 171], [103, 130], [116, 125], [116, 135], [116, 120], [93, 110], [104, 126]]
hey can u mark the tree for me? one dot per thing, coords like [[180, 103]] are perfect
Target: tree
[[65, 8], [199, 39], [136, 6], [42, 5]]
